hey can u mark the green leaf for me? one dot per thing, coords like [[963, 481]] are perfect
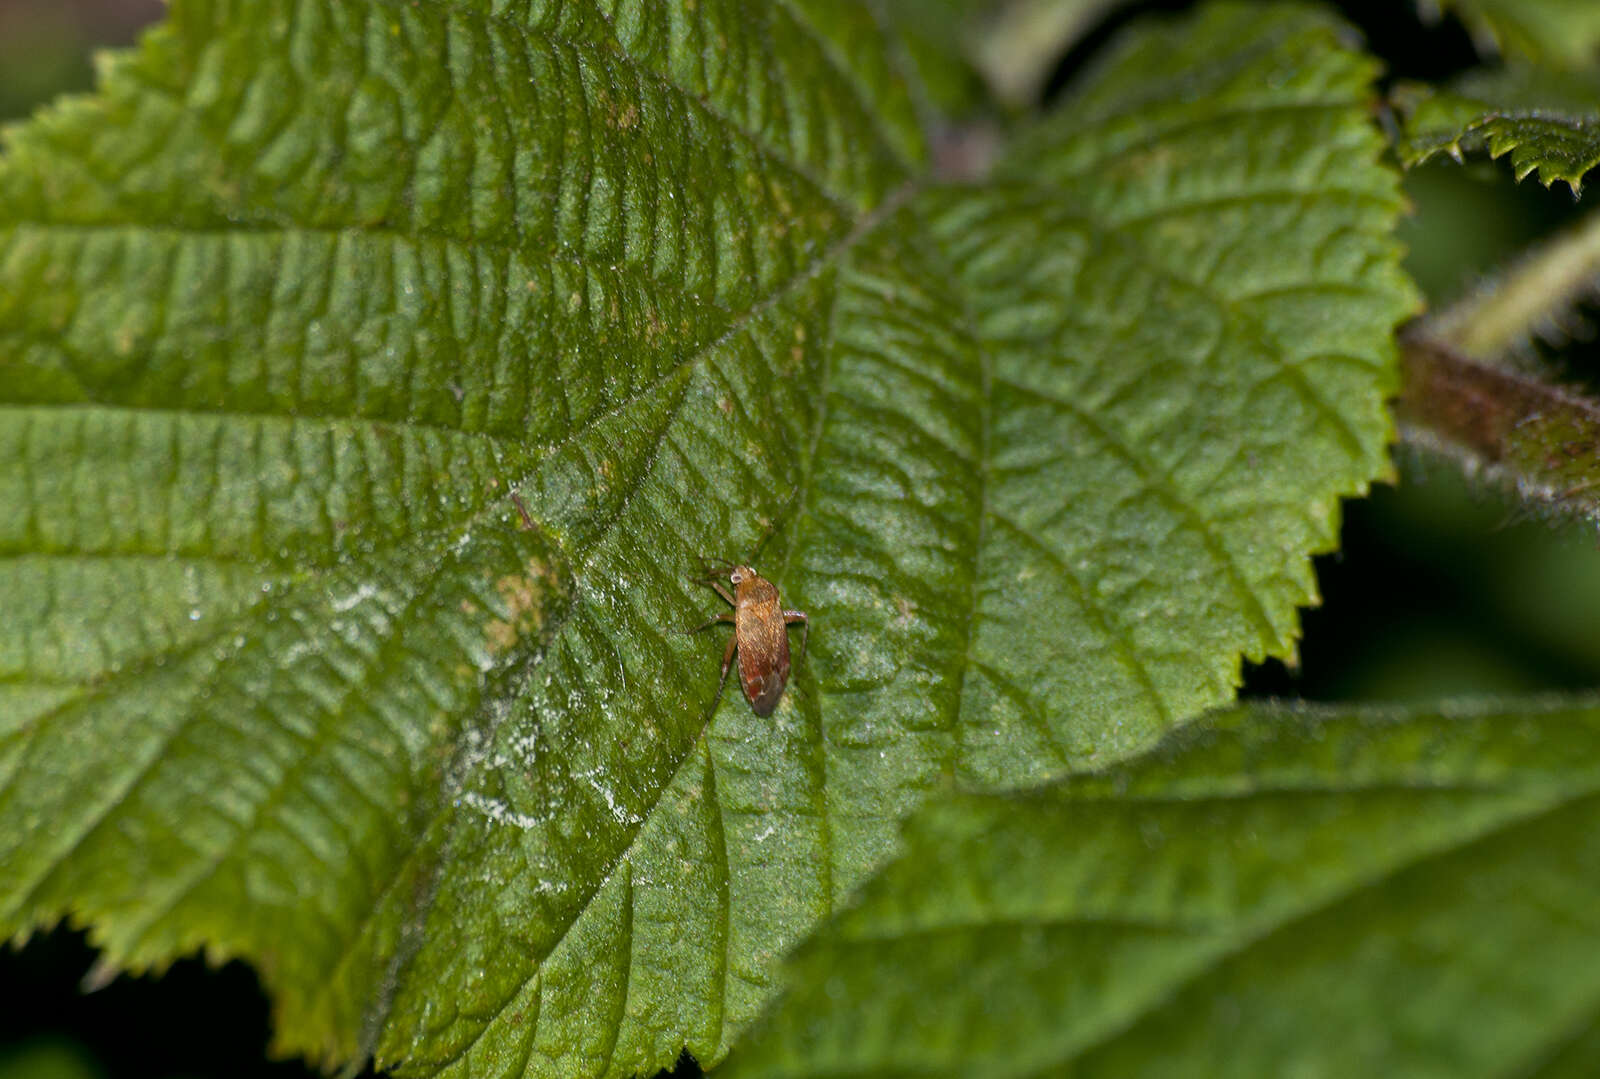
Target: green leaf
[[295, 306], [1565, 32], [1270, 892], [1545, 119]]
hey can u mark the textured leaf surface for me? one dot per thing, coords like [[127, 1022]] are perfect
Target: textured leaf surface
[[294, 307], [1545, 119], [1269, 892]]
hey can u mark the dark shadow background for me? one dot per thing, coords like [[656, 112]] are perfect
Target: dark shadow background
[[1436, 591]]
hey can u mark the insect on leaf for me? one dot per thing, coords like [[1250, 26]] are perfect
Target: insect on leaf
[[309, 290]]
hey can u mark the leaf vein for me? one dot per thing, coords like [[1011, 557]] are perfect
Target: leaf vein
[[1114, 634], [1161, 484]]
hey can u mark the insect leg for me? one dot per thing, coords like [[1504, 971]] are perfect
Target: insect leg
[[727, 662], [712, 568], [789, 619], [725, 616], [522, 510], [714, 583]]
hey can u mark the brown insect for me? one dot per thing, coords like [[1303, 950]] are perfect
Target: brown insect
[[760, 636]]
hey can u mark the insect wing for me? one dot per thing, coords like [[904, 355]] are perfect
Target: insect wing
[[763, 660]]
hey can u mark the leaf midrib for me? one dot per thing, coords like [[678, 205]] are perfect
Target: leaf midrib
[[1255, 932], [647, 811], [1247, 934], [447, 536]]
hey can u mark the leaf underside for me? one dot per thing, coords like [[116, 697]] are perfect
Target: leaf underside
[[303, 310], [1270, 892]]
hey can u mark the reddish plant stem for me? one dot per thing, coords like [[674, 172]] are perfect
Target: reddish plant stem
[[1542, 439]]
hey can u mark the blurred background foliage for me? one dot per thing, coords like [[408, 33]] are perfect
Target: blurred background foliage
[[46, 45], [1439, 590]]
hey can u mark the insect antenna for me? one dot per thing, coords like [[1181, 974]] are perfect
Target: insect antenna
[[712, 569]]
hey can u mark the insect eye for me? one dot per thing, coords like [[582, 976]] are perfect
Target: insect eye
[[736, 577]]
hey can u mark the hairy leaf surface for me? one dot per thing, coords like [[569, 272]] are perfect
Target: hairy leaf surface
[[375, 372], [1545, 119], [1269, 892], [1514, 429]]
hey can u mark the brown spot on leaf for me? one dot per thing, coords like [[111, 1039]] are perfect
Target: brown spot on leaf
[[524, 599]]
